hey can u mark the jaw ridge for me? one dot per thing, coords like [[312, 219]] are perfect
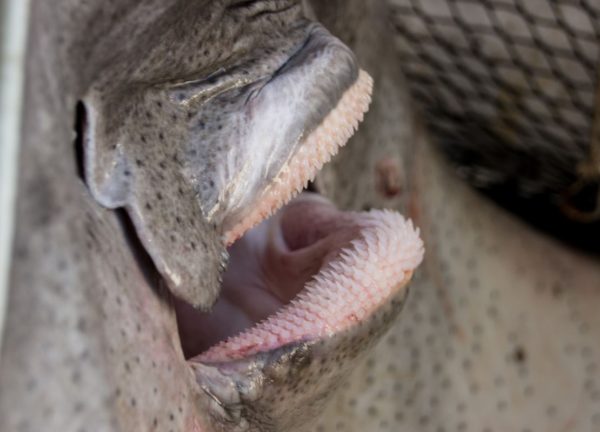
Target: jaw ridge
[[317, 149]]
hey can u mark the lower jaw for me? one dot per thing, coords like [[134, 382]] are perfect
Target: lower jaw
[[306, 273], [309, 271]]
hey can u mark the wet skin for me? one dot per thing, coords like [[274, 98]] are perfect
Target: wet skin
[[499, 333], [175, 98]]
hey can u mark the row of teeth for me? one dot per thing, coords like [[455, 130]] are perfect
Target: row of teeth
[[319, 147], [362, 277]]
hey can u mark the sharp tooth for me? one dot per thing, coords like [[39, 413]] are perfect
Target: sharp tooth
[[319, 147]]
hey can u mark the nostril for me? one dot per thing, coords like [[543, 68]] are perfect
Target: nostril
[[79, 127]]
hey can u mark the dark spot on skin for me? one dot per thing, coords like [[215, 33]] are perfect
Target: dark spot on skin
[[76, 377], [519, 355], [78, 407], [557, 291], [148, 206], [81, 325]]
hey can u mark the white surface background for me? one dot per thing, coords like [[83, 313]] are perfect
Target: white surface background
[[13, 18]]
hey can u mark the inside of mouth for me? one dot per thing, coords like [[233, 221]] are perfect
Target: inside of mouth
[[267, 268], [304, 270], [308, 271]]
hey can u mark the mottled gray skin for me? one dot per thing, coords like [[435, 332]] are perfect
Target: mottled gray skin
[[91, 341], [500, 333], [167, 119], [501, 330], [287, 388]]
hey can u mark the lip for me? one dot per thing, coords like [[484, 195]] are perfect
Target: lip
[[202, 155], [115, 331], [301, 270], [316, 149]]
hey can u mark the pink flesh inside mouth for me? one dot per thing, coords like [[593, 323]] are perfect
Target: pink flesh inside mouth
[[308, 271]]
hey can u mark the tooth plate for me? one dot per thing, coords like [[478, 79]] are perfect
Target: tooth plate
[[361, 278], [316, 150]]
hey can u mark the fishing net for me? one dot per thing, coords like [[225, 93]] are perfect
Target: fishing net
[[508, 90]]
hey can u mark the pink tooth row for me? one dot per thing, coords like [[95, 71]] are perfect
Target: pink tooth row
[[373, 267], [316, 150]]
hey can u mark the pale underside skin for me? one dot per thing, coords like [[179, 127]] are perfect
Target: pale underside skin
[[502, 325], [499, 334], [92, 340], [501, 330]]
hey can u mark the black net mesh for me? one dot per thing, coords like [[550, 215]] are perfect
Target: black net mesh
[[507, 86]]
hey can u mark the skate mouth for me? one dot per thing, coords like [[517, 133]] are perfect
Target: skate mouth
[[301, 269], [306, 273]]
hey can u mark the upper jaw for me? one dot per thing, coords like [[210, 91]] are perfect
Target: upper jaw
[[190, 155], [197, 160], [271, 121]]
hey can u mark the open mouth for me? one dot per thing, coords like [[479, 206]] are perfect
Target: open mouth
[[300, 269]]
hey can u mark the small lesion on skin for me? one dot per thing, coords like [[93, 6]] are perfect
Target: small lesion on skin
[[388, 177], [519, 355]]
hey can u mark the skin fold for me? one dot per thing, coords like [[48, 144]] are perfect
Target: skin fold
[[501, 326]]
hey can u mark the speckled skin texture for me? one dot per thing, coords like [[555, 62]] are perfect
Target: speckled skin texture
[[499, 334], [91, 342], [286, 389], [168, 119], [500, 330], [84, 348]]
